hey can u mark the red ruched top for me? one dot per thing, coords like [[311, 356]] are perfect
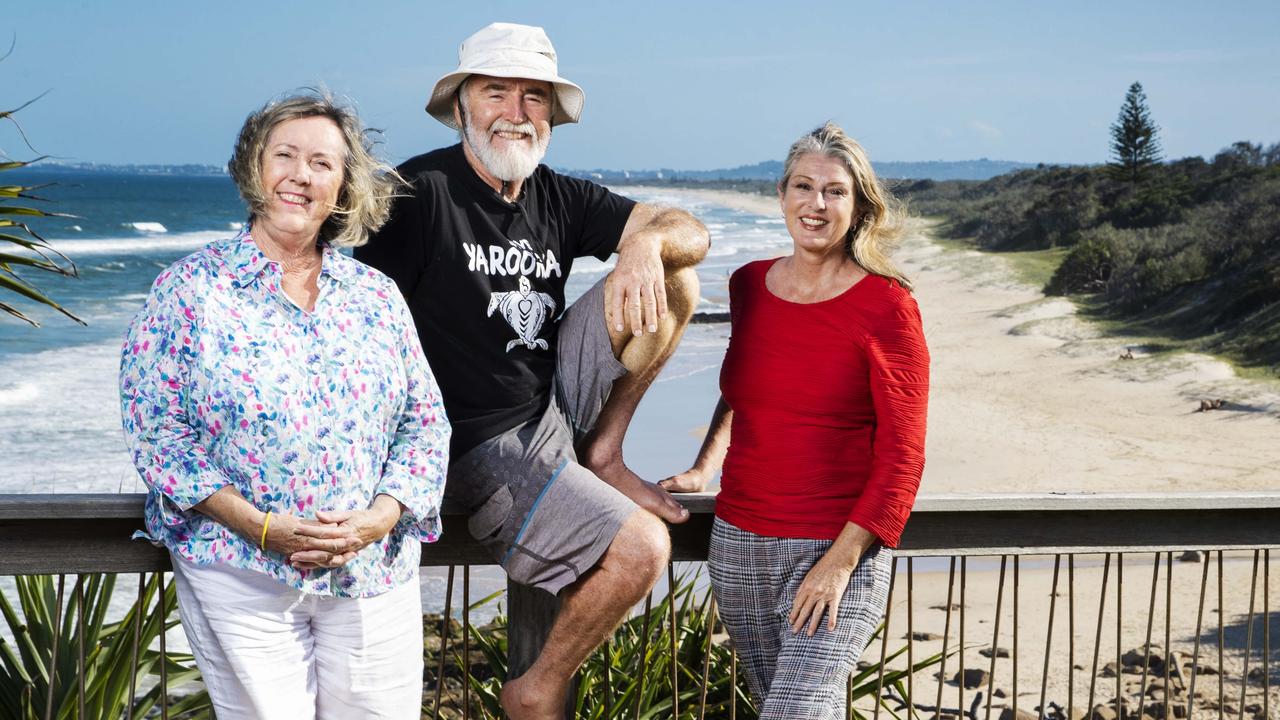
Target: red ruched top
[[829, 402]]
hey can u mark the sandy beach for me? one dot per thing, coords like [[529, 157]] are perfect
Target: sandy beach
[[1027, 397]]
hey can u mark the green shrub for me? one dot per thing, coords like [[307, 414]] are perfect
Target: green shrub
[[1088, 267]]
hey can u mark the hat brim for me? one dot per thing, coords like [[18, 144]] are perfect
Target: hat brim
[[569, 97]]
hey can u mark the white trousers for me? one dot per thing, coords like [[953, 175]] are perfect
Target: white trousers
[[269, 651]]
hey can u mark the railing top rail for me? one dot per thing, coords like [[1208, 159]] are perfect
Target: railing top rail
[[90, 532], [35, 506]]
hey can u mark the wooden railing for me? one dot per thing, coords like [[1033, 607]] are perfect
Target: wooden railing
[[81, 533], [78, 534]]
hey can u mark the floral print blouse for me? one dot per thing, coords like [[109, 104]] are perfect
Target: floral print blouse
[[224, 381]]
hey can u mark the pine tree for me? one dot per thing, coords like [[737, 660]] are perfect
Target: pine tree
[[1134, 142]]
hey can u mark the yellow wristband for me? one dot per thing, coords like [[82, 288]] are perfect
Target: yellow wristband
[[266, 523]]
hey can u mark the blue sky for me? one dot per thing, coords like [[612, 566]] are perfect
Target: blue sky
[[688, 85]]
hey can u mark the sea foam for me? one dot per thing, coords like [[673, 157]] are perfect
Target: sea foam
[[148, 227], [18, 394], [60, 425], [124, 246]]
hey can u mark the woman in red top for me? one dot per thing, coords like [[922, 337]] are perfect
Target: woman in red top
[[820, 432]]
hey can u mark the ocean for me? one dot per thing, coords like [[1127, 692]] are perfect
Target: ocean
[[59, 410], [59, 413]]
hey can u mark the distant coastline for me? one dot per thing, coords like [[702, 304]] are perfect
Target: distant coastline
[[66, 168], [767, 171], [771, 170]]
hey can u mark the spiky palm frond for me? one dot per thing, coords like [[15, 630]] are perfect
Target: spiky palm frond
[[20, 245]]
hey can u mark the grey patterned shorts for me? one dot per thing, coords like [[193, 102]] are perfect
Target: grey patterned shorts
[[543, 517], [792, 676]]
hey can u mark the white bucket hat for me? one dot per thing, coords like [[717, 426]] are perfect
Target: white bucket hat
[[507, 50]]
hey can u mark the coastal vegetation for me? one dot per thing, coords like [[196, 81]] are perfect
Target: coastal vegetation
[[69, 661], [1135, 145], [1190, 250], [652, 667], [1187, 250], [16, 236]]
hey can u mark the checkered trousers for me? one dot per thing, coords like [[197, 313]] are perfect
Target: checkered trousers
[[792, 676]]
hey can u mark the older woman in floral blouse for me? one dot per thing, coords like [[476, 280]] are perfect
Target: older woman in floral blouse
[[281, 411]]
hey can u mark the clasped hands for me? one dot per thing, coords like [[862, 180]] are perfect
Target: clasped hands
[[333, 538]]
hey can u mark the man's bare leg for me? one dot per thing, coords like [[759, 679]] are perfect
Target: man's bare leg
[[590, 610], [644, 356]]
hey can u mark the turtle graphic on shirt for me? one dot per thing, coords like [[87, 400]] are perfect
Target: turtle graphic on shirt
[[526, 311]]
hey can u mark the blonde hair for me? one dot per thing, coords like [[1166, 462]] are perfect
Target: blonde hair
[[368, 184], [878, 227]]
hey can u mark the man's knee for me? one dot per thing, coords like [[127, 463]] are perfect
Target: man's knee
[[683, 292], [642, 547]]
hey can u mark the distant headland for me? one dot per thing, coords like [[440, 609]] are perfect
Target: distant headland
[[771, 170], [55, 167]]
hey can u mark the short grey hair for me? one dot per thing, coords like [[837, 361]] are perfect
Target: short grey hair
[[368, 184]]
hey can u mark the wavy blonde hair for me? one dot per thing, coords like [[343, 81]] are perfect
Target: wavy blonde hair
[[368, 184], [880, 221]]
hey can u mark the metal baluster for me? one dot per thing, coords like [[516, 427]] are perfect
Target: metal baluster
[[1168, 619], [675, 630], [1146, 650], [1222, 611], [1119, 625], [1048, 636], [53, 660], [79, 592], [1071, 635], [1248, 634], [848, 696], [1097, 639], [706, 662], [733, 681], [995, 634], [164, 655], [466, 642], [911, 640], [1266, 633], [607, 649], [1017, 561], [444, 640], [140, 617], [884, 643], [1195, 652], [644, 653], [946, 634], [964, 564]]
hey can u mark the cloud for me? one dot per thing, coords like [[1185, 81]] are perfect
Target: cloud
[[1187, 56], [989, 132], [967, 60]]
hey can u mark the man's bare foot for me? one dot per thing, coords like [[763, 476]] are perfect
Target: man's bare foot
[[521, 700], [645, 494]]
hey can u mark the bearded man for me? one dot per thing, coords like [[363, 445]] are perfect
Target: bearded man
[[540, 397]]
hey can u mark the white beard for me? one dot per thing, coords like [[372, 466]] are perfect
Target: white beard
[[514, 163]]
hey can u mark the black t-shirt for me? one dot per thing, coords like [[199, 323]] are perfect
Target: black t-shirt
[[485, 280]]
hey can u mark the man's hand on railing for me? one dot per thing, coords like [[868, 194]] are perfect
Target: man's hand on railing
[[689, 481]]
